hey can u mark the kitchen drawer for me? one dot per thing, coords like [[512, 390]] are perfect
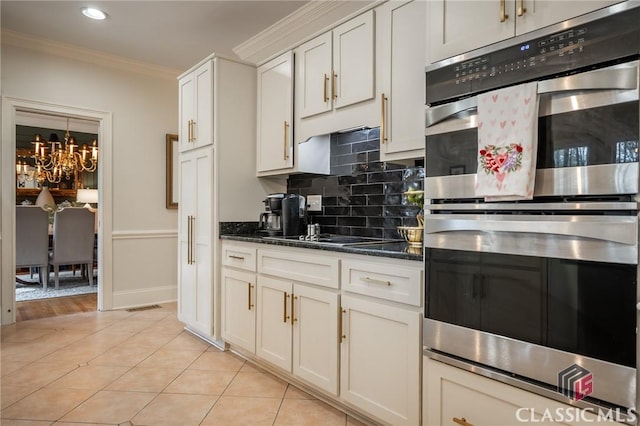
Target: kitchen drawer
[[304, 266], [395, 282], [239, 256]]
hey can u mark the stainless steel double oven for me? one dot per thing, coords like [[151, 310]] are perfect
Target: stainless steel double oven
[[523, 290]]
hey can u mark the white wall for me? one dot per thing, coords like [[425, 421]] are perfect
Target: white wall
[[144, 107]]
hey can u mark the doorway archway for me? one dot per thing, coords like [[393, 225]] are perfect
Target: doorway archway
[[10, 108]]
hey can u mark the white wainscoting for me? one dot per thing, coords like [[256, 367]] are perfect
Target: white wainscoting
[[140, 279]]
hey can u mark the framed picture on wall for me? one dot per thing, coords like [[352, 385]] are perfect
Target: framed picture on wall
[[172, 171]]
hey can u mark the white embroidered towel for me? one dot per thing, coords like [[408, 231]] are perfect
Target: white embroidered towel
[[507, 143]]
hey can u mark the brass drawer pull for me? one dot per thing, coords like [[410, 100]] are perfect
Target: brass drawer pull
[[462, 421], [236, 257], [374, 281]]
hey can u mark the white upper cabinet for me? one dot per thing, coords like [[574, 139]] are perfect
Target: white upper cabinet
[[400, 53], [336, 68], [458, 26], [353, 61], [275, 115], [314, 76], [335, 80], [195, 128]]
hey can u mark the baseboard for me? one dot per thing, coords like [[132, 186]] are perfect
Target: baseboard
[[144, 297]]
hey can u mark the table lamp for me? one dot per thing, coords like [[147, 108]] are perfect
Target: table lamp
[[87, 196]]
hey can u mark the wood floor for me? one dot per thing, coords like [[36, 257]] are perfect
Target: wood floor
[[43, 308]]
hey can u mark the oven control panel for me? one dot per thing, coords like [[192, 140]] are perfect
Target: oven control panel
[[586, 46]]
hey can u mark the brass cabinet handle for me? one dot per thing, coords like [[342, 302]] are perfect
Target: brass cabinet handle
[[461, 421], [293, 305], [383, 116], [284, 141], [249, 304], [521, 9], [192, 136], [284, 308], [190, 257], [189, 131], [374, 281], [193, 243], [193, 130], [325, 98], [503, 11], [188, 240], [334, 95], [236, 257], [340, 326]]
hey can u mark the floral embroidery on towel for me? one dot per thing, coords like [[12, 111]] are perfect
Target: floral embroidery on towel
[[499, 160]]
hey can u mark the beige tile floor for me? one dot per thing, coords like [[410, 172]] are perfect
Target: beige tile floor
[[139, 368]]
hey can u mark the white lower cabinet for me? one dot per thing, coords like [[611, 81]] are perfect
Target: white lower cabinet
[[457, 397], [347, 325], [380, 359], [239, 308], [238, 294], [297, 330]]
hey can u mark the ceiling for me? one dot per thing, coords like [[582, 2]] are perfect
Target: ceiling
[[171, 34]]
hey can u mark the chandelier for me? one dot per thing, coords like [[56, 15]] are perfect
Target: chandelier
[[55, 160]]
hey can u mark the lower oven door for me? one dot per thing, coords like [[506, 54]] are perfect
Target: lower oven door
[[532, 295]]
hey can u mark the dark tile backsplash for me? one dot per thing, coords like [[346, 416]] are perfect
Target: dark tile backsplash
[[362, 195]]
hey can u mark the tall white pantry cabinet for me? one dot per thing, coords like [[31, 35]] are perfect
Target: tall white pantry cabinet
[[217, 180]]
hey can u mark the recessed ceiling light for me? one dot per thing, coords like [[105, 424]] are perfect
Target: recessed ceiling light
[[92, 13]]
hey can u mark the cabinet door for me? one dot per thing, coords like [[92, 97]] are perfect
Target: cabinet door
[[203, 126], [187, 93], [195, 126], [275, 114], [353, 61], [202, 255], [313, 76], [540, 13], [274, 331], [238, 308], [186, 210], [400, 43], [380, 360], [195, 285], [315, 336], [458, 26]]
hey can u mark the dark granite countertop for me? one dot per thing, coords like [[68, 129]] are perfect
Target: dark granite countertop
[[397, 250]]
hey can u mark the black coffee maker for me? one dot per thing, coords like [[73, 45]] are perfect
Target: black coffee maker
[[271, 220], [294, 215]]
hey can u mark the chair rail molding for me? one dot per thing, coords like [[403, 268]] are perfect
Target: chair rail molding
[[312, 19]]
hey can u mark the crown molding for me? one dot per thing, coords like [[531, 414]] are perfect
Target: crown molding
[[310, 20], [51, 47]]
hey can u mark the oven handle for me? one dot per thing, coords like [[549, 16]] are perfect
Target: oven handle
[[605, 79], [617, 229]]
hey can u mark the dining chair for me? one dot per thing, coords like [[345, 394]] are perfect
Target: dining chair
[[32, 240], [73, 237]]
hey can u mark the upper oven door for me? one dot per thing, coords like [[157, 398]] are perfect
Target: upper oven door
[[588, 131]]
